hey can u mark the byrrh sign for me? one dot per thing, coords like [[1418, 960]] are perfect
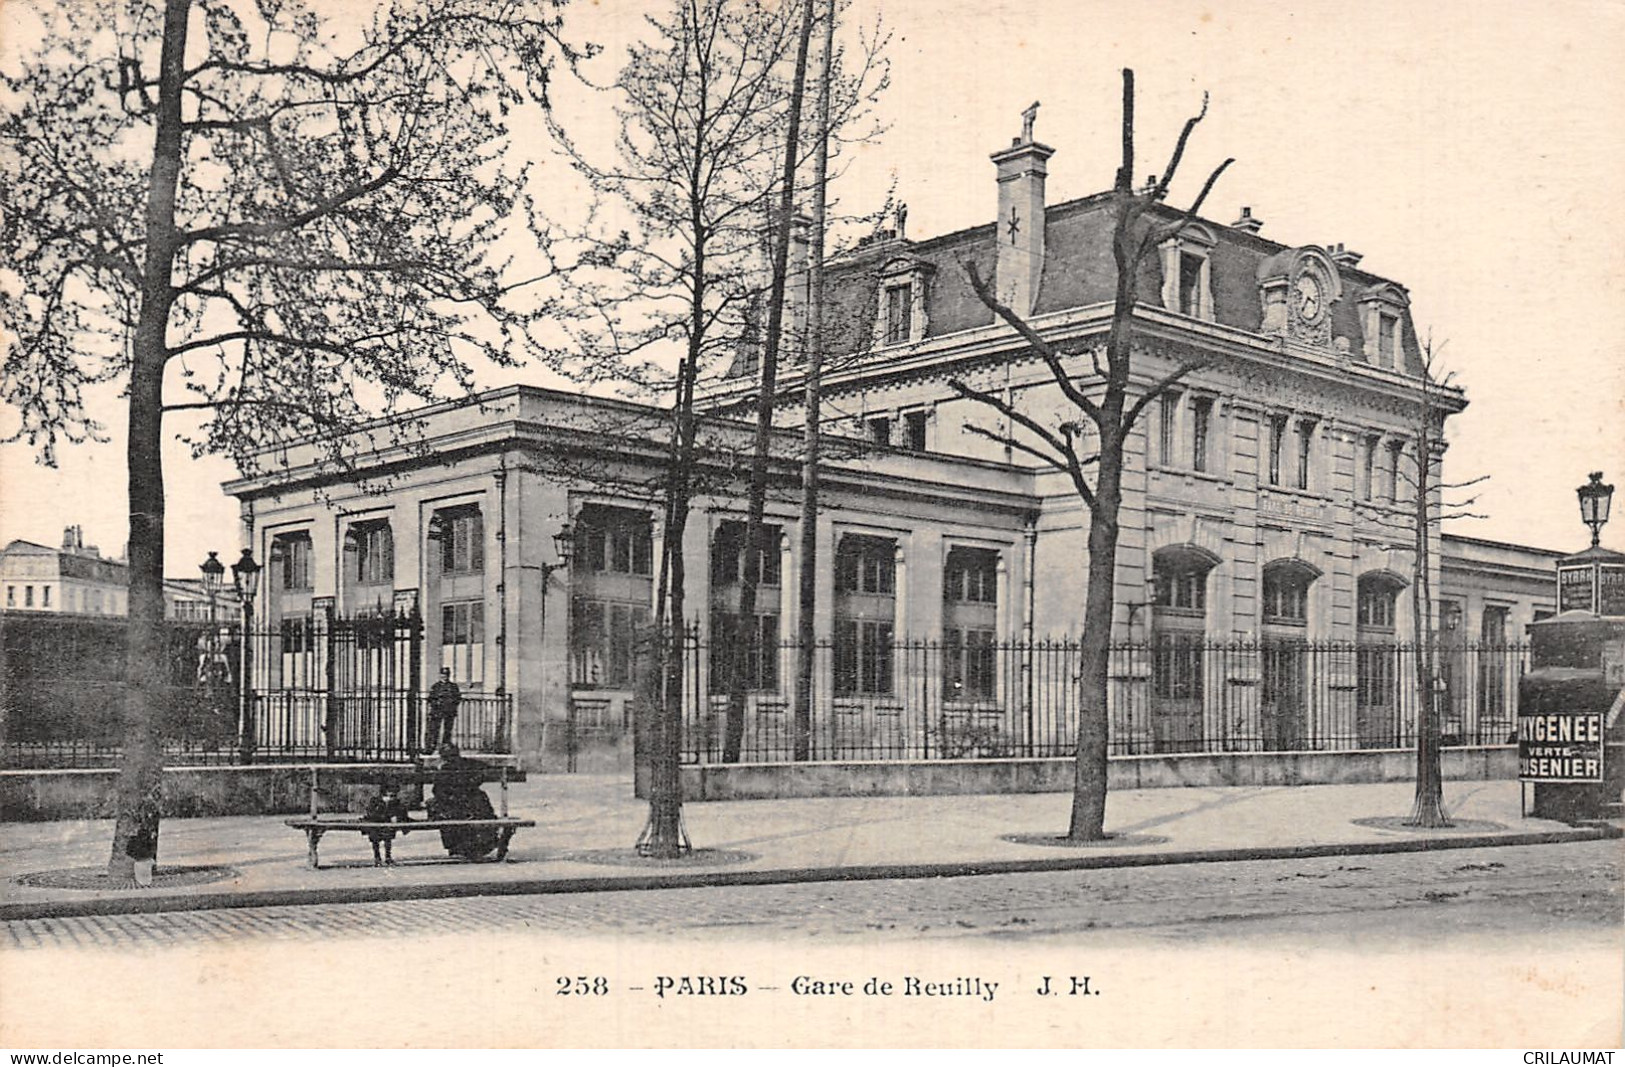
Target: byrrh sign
[[1560, 748]]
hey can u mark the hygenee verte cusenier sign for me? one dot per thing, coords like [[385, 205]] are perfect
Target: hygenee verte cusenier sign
[[1555, 747]]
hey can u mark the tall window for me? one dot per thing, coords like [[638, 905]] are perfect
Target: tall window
[[865, 606], [863, 657], [28, 596], [462, 641], [1387, 339], [1306, 439], [1393, 475], [603, 639], [728, 555], [970, 592], [880, 430], [760, 638], [866, 565], [461, 533], [1168, 429], [1277, 440], [612, 586], [1201, 424], [614, 541], [1368, 468], [971, 576], [1286, 593], [290, 555], [369, 550], [897, 313], [1377, 661], [1376, 597], [1190, 283], [1179, 582], [1176, 666], [914, 423], [11, 596]]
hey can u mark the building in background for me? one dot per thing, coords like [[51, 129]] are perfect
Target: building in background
[[76, 579]]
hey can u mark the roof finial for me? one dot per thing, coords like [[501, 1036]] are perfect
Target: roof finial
[[1028, 117]]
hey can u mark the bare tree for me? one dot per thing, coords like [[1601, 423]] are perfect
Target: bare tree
[[1103, 396], [701, 105], [807, 578], [217, 205], [749, 637], [1428, 508]]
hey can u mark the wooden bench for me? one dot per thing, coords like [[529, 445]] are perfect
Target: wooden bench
[[315, 828], [315, 825]]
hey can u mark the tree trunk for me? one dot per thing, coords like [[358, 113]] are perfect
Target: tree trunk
[[813, 351], [140, 781], [1428, 809], [1088, 820], [750, 634]]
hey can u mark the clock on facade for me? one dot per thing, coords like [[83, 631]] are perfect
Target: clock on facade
[[1308, 297]]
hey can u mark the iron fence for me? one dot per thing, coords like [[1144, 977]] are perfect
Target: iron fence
[[961, 700], [328, 688]]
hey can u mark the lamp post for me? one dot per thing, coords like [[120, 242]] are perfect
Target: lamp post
[[1594, 500], [564, 543], [245, 575], [212, 570]]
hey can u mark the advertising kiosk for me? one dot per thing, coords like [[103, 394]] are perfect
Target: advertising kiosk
[[1571, 730]]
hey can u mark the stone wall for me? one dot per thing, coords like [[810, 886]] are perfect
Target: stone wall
[[948, 777]]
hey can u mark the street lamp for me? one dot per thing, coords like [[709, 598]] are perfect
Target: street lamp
[[564, 542], [213, 570], [1594, 500], [245, 575]]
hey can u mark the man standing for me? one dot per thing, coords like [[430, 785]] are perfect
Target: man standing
[[444, 696]]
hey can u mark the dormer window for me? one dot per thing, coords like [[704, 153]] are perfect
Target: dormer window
[[1382, 317], [1187, 285], [1387, 338], [901, 318], [1191, 267], [897, 302]]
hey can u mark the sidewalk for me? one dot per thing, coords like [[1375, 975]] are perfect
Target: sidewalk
[[586, 826]]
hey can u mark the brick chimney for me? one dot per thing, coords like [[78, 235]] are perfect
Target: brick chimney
[[1247, 222], [1019, 229], [1344, 257]]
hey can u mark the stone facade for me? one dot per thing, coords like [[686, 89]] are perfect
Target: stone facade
[[1280, 472], [1267, 500]]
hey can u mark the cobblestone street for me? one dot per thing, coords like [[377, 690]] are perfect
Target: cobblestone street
[[1420, 895]]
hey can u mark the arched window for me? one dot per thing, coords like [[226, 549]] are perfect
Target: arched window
[[1378, 714], [970, 594], [865, 609], [1179, 580], [369, 553], [1179, 653], [1286, 592], [1378, 594]]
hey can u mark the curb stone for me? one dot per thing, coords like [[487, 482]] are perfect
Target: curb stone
[[174, 902]]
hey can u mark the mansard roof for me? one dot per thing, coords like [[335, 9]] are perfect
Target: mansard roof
[[1079, 271]]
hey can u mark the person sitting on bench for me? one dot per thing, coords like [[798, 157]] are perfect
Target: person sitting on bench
[[459, 796]]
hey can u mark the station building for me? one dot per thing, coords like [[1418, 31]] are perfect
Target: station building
[[1267, 531]]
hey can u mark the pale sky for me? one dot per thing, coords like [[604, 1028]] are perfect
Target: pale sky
[[1472, 151]]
